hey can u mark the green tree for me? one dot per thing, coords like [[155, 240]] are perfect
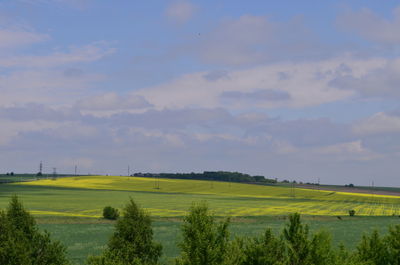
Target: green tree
[[393, 242], [266, 250], [373, 249], [296, 235], [321, 252], [204, 240], [22, 243], [344, 257], [132, 242]]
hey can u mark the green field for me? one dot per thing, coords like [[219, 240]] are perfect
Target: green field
[[86, 196], [71, 208], [83, 237]]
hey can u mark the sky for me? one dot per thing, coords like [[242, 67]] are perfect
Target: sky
[[297, 90]]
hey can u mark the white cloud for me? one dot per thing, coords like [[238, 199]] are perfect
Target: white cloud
[[380, 81], [379, 123], [43, 86], [250, 40], [180, 11], [347, 151], [88, 53], [12, 38], [112, 101], [304, 84], [11, 129], [42, 79], [371, 26]]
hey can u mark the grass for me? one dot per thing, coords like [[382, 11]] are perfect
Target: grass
[[70, 208], [89, 236], [86, 196]]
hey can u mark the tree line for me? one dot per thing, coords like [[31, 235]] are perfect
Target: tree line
[[211, 175], [205, 241]]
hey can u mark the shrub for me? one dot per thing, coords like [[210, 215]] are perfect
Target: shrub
[[110, 213], [352, 212]]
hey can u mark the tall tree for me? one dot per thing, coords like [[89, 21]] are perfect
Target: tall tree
[[21, 242], [132, 242], [204, 240]]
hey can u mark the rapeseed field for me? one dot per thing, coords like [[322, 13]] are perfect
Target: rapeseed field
[[85, 196]]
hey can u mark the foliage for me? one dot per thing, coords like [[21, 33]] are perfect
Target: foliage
[[22, 243], [132, 242], [393, 244], [296, 239], [267, 250], [373, 249], [321, 251], [377, 250], [352, 212], [204, 240], [110, 213], [211, 175]]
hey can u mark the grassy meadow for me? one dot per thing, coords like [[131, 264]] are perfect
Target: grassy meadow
[[71, 207]]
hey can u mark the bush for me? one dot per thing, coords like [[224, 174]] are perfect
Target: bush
[[110, 213], [352, 212]]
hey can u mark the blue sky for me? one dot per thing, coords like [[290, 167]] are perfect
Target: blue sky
[[289, 89]]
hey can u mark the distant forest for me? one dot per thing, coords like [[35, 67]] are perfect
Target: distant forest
[[211, 175]]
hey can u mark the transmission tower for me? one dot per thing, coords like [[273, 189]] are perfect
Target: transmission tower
[[293, 191], [41, 168]]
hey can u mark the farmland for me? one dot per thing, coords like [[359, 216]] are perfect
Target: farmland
[[86, 196], [71, 207]]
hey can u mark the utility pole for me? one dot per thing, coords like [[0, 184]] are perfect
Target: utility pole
[[372, 190], [76, 170], [54, 173], [129, 171], [41, 168], [293, 190]]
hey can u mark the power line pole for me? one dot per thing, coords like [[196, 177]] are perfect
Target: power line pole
[[372, 190], [76, 170], [293, 192]]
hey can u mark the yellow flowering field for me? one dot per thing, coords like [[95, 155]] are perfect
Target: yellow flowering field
[[85, 196]]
